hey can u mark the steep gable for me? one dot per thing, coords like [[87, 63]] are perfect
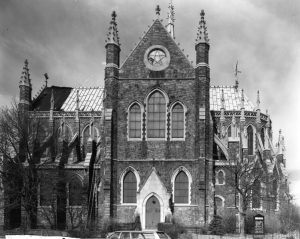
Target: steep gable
[[179, 66]]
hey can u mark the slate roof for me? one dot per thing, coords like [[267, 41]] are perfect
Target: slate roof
[[89, 99], [92, 99], [65, 99], [232, 97]]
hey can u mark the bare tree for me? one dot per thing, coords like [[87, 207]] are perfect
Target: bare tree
[[245, 178], [20, 147]]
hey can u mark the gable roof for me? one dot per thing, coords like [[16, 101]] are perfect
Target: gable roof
[[232, 97], [134, 66]]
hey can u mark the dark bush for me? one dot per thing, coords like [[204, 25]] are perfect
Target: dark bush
[[137, 223], [249, 222], [216, 226], [172, 229], [229, 222]]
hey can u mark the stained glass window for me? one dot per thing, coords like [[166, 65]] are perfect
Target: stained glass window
[[156, 57], [181, 188], [129, 188], [220, 177], [156, 122], [177, 121], [135, 123]]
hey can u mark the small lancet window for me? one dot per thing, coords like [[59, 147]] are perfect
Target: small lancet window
[[229, 131], [135, 123], [220, 177], [156, 118], [90, 132], [177, 121], [250, 139], [129, 188], [181, 188]]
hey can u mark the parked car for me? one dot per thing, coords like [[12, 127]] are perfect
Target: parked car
[[138, 235]]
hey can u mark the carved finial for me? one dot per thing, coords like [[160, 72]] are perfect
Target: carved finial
[[242, 119], [202, 35], [157, 11], [222, 100], [113, 36], [257, 100], [25, 77], [236, 72], [243, 100], [113, 16], [46, 79], [171, 20]]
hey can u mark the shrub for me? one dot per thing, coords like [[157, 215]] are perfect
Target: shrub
[[249, 222], [137, 223], [229, 222], [172, 229], [216, 226], [272, 224], [186, 236], [109, 225]]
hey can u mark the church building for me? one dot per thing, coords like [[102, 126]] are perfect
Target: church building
[[156, 143]]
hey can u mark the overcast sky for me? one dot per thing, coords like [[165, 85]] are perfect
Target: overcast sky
[[66, 39]]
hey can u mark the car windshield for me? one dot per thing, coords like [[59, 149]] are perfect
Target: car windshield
[[137, 235]]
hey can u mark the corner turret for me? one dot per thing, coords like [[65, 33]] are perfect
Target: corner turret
[[202, 73], [112, 61]]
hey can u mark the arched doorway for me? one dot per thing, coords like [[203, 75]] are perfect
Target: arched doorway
[[152, 213]]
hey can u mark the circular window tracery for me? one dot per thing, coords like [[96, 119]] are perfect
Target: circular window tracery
[[157, 58]]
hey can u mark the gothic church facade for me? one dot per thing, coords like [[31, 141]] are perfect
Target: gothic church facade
[[155, 142]]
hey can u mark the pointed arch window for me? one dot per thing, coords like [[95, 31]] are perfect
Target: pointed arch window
[[220, 179], [76, 192], [89, 132], [181, 188], [129, 188], [229, 131], [63, 133], [156, 116], [177, 122], [250, 140], [220, 202], [256, 194], [135, 121]]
